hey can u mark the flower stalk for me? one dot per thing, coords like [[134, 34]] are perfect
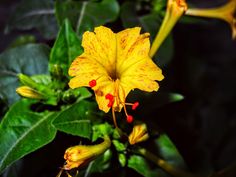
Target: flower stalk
[[225, 12], [175, 9]]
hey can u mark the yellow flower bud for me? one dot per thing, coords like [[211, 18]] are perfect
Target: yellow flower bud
[[138, 134], [175, 9], [28, 92], [225, 12], [81, 154]]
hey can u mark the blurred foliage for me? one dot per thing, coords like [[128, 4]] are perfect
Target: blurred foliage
[[195, 105]]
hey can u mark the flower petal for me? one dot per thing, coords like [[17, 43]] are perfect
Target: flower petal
[[101, 46], [85, 70], [131, 47], [101, 92], [142, 75]]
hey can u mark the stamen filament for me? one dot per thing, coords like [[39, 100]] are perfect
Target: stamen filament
[[114, 117]]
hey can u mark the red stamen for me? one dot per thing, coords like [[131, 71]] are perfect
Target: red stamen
[[92, 83], [110, 97], [135, 105], [129, 119]]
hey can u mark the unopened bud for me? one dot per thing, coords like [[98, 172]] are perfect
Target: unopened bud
[[29, 92], [81, 154], [138, 134], [26, 80]]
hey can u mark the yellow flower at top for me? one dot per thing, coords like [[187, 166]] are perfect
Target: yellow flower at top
[[113, 64]]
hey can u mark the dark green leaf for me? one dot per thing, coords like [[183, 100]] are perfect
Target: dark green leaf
[[140, 164], [28, 59], [22, 40], [85, 15], [23, 131], [75, 119], [65, 49], [34, 14], [150, 23], [168, 151]]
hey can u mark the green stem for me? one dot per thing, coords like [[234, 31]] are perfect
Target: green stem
[[164, 165]]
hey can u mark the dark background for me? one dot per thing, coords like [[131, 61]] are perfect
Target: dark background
[[203, 125]]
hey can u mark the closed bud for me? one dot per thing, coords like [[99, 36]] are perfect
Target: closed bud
[[29, 92], [79, 155], [26, 80], [138, 134]]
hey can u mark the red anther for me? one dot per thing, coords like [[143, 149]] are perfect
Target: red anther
[[109, 97], [110, 104], [129, 119], [135, 105], [92, 83]]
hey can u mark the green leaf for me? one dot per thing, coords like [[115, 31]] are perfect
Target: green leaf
[[22, 40], [100, 164], [34, 14], [150, 23], [75, 119], [23, 131], [85, 15], [28, 59], [119, 146], [65, 49], [140, 164], [100, 130], [168, 151]]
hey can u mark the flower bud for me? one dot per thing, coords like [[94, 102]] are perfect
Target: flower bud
[[81, 154], [138, 134], [26, 80], [29, 92]]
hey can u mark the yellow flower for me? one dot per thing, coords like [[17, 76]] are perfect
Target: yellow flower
[[175, 9], [80, 155], [138, 134], [113, 64], [225, 12], [29, 92]]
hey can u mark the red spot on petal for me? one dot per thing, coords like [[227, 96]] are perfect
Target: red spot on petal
[[129, 119], [92, 83], [135, 105]]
